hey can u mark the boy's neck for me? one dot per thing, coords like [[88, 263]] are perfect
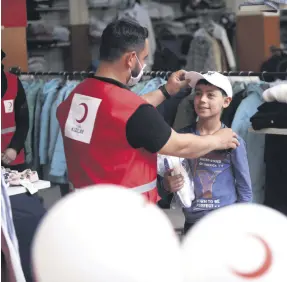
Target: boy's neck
[[208, 126]]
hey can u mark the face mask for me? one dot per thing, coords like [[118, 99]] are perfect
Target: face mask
[[135, 78]]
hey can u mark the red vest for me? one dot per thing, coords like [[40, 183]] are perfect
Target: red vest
[[93, 122], [8, 125]]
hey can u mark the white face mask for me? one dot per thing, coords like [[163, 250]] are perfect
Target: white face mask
[[134, 80]]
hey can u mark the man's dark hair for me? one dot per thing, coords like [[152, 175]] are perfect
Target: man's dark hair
[[205, 82], [120, 37]]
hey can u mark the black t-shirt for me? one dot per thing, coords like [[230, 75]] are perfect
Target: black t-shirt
[[146, 128]]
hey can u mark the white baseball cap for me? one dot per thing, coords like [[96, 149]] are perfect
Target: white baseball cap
[[213, 77]]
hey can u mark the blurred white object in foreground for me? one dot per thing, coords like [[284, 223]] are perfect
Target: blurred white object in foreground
[[106, 234], [243, 242]]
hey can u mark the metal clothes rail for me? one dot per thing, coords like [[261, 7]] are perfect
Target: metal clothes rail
[[163, 74]]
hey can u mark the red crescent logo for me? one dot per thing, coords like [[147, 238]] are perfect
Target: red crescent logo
[[263, 268], [85, 113]]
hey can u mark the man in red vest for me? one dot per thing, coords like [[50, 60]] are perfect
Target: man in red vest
[[112, 135], [14, 120], [27, 209]]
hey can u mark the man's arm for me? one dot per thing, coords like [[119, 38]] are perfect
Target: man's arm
[[241, 173], [189, 145], [175, 83], [21, 120], [154, 98], [147, 129]]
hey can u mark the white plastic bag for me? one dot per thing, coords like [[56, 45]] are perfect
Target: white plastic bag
[[185, 196]]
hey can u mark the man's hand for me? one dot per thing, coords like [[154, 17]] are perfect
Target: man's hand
[[176, 82], [173, 183], [9, 156], [226, 139]]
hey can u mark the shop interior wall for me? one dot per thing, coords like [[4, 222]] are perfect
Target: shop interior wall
[[54, 56]]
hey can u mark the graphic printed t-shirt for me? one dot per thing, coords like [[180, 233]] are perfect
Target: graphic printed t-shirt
[[215, 183]]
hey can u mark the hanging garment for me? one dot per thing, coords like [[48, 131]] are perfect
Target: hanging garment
[[139, 87], [220, 33], [239, 94], [276, 171], [56, 155], [224, 62], [50, 89], [54, 124], [8, 125], [186, 115], [255, 143], [169, 108], [151, 85], [32, 90], [38, 109], [165, 59], [217, 54], [159, 11], [140, 14], [58, 166], [201, 53], [93, 121], [277, 63], [270, 115], [11, 269]]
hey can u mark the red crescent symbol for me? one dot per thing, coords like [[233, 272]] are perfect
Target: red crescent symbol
[[263, 268], [85, 113]]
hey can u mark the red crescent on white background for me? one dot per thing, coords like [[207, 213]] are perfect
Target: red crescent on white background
[[85, 113], [264, 268]]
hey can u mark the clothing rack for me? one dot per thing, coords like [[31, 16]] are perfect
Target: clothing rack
[[153, 74]]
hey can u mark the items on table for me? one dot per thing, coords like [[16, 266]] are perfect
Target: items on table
[[15, 178]]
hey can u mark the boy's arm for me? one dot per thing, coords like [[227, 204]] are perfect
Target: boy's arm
[[241, 173]]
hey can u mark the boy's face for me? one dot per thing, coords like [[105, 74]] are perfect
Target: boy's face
[[209, 101]]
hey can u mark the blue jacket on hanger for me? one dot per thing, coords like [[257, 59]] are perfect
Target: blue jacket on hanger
[[255, 143], [31, 89], [58, 161], [50, 90]]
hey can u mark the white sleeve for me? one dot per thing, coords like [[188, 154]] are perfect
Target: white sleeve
[[220, 33]]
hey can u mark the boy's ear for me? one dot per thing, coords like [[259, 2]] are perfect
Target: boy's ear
[[227, 101]]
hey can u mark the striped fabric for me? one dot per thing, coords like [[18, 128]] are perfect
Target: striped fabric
[[11, 269]]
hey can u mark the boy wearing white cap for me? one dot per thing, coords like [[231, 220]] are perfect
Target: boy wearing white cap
[[220, 178]]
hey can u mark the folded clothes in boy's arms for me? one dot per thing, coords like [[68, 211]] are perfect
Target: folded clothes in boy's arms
[[178, 166]]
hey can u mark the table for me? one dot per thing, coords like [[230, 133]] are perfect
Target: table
[[16, 190]]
